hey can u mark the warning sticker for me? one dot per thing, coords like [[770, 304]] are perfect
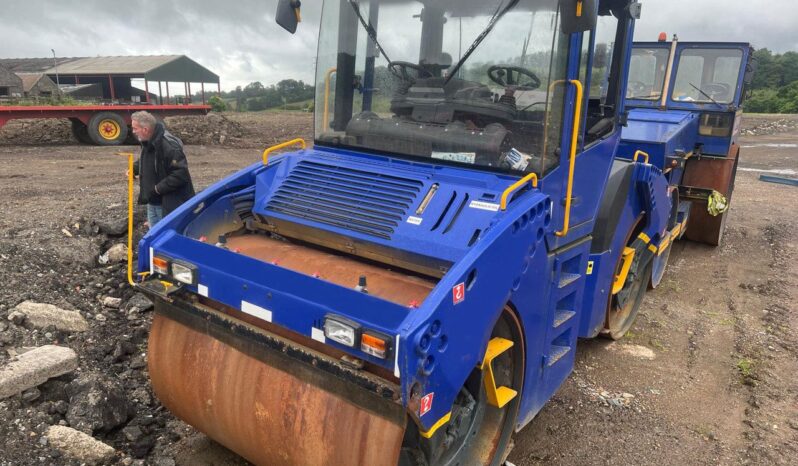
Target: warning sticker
[[481, 205], [458, 293], [590, 267], [426, 404]]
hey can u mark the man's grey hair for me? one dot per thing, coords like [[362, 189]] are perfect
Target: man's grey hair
[[144, 118]]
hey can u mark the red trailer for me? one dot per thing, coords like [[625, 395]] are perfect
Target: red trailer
[[105, 125]]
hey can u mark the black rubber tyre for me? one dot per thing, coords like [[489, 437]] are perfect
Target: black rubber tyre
[[80, 131], [131, 139], [107, 129], [477, 433], [624, 306]]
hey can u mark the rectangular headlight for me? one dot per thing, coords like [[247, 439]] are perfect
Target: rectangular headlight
[[341, 330], [184, 272]]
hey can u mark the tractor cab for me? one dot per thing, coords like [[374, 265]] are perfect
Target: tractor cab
[[708, 80], [684, 102]]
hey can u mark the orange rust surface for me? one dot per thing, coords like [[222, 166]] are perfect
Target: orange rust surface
[[717, 174], [268, 416], [386, 284]]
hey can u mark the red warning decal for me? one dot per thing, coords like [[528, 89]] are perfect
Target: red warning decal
[[458, 293], [426, 404]]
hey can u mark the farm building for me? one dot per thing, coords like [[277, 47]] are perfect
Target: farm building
[[37, 85], [83, 91], [10, 83], [162, 76]]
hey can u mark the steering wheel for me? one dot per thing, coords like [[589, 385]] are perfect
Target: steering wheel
[[716, 90], [637, 89], [503, 76], [401, 69]]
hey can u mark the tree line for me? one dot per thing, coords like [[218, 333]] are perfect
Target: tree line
[[255, 96], [775, 83]]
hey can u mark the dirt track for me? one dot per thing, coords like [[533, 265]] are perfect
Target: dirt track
[[707, 375]]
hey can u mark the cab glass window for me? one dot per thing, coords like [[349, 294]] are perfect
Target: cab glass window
[[647, 73], [475, 82], [707, 75]]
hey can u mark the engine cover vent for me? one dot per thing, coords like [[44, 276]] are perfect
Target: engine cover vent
[[353, 199]]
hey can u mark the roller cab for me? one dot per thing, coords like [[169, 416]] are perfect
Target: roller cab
[[408, 290]]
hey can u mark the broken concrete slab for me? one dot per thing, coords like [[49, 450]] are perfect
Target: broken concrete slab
[[35, 367], [42, 315], [77, 445], [117, 253], [111, 302], [78, 251]]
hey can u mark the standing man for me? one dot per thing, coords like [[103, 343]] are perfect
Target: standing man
[[162, 168]]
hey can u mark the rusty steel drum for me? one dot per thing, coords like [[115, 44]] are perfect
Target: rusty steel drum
[[263, 406]]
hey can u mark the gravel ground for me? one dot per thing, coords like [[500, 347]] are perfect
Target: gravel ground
[[706, 376]]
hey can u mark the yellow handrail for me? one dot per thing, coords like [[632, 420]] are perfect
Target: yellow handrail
[[516, 185], [326, 113], [130, 177], [572, 159], [639, 153], [292, 142]]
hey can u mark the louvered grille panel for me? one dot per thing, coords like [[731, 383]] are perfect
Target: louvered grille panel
[[367, 202]]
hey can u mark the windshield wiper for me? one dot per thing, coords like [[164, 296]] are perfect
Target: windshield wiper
[[369, 30], [706, 95], [496, 17]]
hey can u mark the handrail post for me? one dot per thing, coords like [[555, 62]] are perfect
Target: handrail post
[[298, 141], [639, 153], [326, 113], [572, 157], [130, 177], [512, 188]]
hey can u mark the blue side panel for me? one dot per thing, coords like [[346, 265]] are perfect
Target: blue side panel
[[659, 134], [446, 339], [555, 336]]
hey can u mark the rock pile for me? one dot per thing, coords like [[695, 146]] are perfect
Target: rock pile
[[211, 129], [73, 339], [763, 127]]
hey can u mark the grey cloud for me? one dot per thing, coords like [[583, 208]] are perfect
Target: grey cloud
[[240, 41]]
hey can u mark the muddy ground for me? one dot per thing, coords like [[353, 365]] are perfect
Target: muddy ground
[[706, 376]]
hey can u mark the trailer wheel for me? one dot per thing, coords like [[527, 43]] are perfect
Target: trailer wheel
[[107, 129], [477, 432], [80, 131]]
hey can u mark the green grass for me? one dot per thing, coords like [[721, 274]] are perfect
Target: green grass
[[745, 367]]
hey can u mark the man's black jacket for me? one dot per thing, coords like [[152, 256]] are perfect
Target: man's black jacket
[[163, 166]]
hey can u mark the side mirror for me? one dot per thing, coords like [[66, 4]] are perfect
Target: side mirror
[[288, 14], [578, 15]]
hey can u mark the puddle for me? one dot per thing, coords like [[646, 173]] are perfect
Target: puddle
[[777, 146], [774, 172]]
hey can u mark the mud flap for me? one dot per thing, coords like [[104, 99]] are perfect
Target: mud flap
[[715, 173], [248, 389]]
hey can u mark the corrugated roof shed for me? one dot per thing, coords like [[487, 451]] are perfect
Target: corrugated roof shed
[[172, 68], [32, 65], [116, 65]]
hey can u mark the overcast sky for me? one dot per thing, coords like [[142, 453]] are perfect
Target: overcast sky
[[238, 39]]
